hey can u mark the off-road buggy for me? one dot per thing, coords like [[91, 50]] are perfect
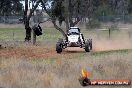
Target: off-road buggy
[[74, 39]]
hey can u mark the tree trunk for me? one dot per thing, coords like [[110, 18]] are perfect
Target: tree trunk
[[67, 24], [27, 28], [70, 8], [59, 29], [70, 13], [28, 31]]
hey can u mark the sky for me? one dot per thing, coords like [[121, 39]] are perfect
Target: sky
[[49, 5]]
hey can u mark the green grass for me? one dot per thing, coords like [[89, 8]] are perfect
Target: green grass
[[106, 54], [18, 34], [7, 34], [51, 34], [120, 51]]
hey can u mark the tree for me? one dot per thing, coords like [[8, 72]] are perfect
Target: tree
[[10, 7], [62, 11], [68, 10], [130, 6], [27, 19]]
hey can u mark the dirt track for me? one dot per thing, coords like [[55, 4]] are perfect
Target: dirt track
[[106, 46], [41, 52], [112, 45]]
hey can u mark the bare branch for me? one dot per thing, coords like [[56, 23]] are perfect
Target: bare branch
[[43, 4], [30, 14], [76, 22], [59, 29], [53, 20], [45, 20]]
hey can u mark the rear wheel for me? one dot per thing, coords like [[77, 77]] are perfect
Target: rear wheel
[[59, 47], [91, 46]]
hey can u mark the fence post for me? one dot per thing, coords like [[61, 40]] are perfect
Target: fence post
[[129, 33], [109, 33], [13, 35]]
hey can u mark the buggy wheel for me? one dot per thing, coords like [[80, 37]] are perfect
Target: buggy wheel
[[59, 47], [87, 46], [91, 45]]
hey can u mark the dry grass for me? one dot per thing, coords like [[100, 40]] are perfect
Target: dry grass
[[64, 72]]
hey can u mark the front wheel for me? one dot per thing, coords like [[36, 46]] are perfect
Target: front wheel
[[87, 47], [59, 47]]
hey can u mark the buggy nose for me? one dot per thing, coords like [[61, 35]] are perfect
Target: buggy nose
[[73, 44], [73, 38]]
